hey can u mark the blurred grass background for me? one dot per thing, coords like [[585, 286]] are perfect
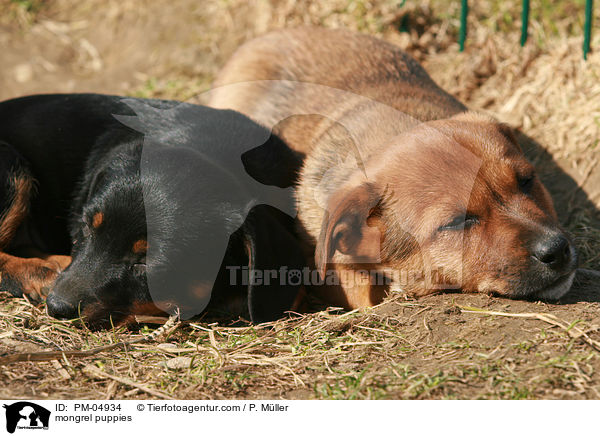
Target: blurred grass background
[[173, 49]]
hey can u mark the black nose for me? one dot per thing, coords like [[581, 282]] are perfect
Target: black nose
[[553, 251], [59, 308]]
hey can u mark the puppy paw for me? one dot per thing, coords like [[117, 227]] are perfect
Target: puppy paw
[[31, 277]]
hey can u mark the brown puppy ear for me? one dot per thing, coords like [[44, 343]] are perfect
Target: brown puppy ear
[[352, 225]]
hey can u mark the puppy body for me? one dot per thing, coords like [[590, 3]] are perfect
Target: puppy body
[[269, 75], [399, 180]]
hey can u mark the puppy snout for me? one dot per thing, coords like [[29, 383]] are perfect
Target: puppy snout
[[59, 308], [554, 251]]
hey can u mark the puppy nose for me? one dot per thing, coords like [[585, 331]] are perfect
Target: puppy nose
[[553, 251], [59, 308]]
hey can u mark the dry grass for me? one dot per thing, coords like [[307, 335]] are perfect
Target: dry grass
[[437, 347], [426, 348]]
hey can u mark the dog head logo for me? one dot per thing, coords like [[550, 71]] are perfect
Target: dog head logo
[[26, 415]]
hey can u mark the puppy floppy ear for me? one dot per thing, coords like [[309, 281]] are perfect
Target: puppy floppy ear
[[352, 225], [273, 247]]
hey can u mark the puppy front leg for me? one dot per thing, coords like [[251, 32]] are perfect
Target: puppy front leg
[[30, 276]]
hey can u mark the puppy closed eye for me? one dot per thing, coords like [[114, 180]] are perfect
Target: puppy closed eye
[[85, 230], [460, 222], [139, 269], [526, 183]]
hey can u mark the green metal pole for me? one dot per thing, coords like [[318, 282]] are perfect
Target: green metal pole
[[524, 22], [404, 21], [587, 31], [464, 11]]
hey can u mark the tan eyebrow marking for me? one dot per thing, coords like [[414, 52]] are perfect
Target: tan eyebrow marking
[[97, 220], [140, 246]]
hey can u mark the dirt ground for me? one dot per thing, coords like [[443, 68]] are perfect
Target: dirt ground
[[442, 346]]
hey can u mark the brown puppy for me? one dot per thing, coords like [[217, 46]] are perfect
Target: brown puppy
[[401, 182]]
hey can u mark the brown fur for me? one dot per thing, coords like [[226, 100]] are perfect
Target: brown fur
[[334, 60], [22, 187], [34, 275], [140, 246], [98, 220], [391, 160]]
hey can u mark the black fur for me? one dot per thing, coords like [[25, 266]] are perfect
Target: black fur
[[201, 186]]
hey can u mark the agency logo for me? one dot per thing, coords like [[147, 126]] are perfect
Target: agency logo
[[24, 415]]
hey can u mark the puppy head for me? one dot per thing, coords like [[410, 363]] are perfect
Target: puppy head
[[148, 240], [106, 280], [452, 204], [126, 258]]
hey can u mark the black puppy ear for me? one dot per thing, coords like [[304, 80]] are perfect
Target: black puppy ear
[[276, 263], [273, 163]]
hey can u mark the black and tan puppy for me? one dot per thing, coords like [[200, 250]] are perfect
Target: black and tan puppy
[[401, 180], [160, 204]]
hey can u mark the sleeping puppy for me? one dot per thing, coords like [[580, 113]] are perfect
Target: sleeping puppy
[[403, 187], [162, 205]]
